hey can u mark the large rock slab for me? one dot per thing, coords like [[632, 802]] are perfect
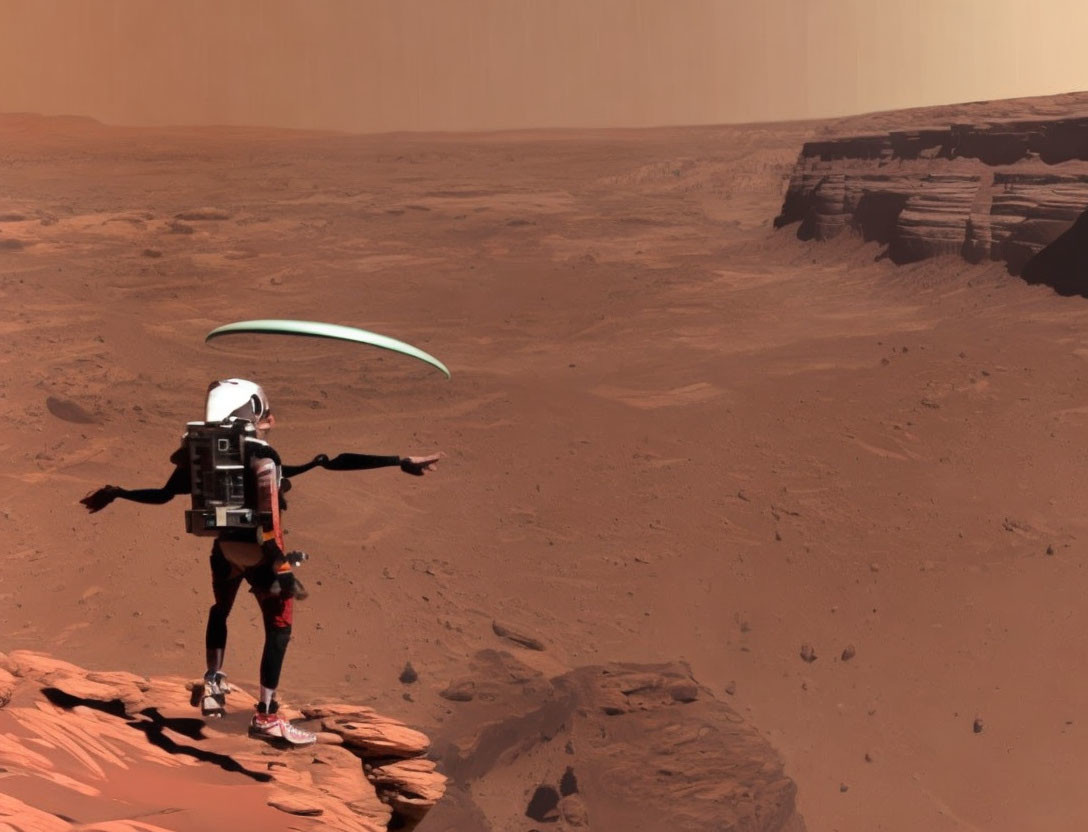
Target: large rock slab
[[633, 747], [70, 739]]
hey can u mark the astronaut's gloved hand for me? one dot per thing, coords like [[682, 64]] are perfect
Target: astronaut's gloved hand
[[296, 558]]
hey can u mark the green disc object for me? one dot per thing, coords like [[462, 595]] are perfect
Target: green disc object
[[317, 329]]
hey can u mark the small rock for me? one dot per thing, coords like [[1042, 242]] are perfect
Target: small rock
[[518, 638], [574, 812], [408, 676], [731, 688], [976, 726], [808, 653], [848, 653], [868, 757], [568, 783], [874, 567], [151, 252], [68, 411], [1050, 550], [684, 691], [459, 690], [843, 788]]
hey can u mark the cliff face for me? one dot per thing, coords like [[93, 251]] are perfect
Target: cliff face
[[1001, 190]]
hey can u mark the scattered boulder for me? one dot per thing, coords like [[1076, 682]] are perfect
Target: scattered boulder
[[408, 676], [848, 652], [502, 631], [808, 653], [568, 783]]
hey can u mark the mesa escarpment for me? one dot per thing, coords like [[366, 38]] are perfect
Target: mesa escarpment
[[999, 190]]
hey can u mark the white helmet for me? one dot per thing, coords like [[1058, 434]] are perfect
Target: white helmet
[[235, 398]]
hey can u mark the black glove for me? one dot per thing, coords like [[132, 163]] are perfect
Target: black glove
[[98, 500], [296, 558]]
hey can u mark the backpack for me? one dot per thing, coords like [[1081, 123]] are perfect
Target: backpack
[[223, 487]]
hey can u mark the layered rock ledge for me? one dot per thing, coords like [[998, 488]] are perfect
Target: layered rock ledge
[[616, 746], [116, 752], [1001, 190]]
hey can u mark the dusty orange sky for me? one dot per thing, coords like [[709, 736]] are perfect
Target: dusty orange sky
[[374, 65]]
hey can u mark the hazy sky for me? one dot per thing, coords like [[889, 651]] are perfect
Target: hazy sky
[[372, 65]]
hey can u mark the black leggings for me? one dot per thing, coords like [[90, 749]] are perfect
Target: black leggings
[[276, 611]]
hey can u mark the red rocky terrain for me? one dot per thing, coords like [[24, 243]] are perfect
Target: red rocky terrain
[[733, 528]]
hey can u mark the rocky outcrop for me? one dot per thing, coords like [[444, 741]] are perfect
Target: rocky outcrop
[[115, 746], [1001, 190], [618, 746], [1063, 265]]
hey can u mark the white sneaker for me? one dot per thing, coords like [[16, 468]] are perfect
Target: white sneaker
[[213, 700], [275, 728]]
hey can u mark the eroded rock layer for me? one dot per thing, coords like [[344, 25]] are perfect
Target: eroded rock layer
[[91, 751], [1001, 190], [616, 746]]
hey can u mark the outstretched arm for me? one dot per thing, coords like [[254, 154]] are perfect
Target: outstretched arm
[[415, 465], [178, 483], [420, 465]]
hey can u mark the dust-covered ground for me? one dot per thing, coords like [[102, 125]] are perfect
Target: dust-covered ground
[[671, 434]]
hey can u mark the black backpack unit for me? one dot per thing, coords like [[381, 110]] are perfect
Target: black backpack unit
[[224, 490]]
